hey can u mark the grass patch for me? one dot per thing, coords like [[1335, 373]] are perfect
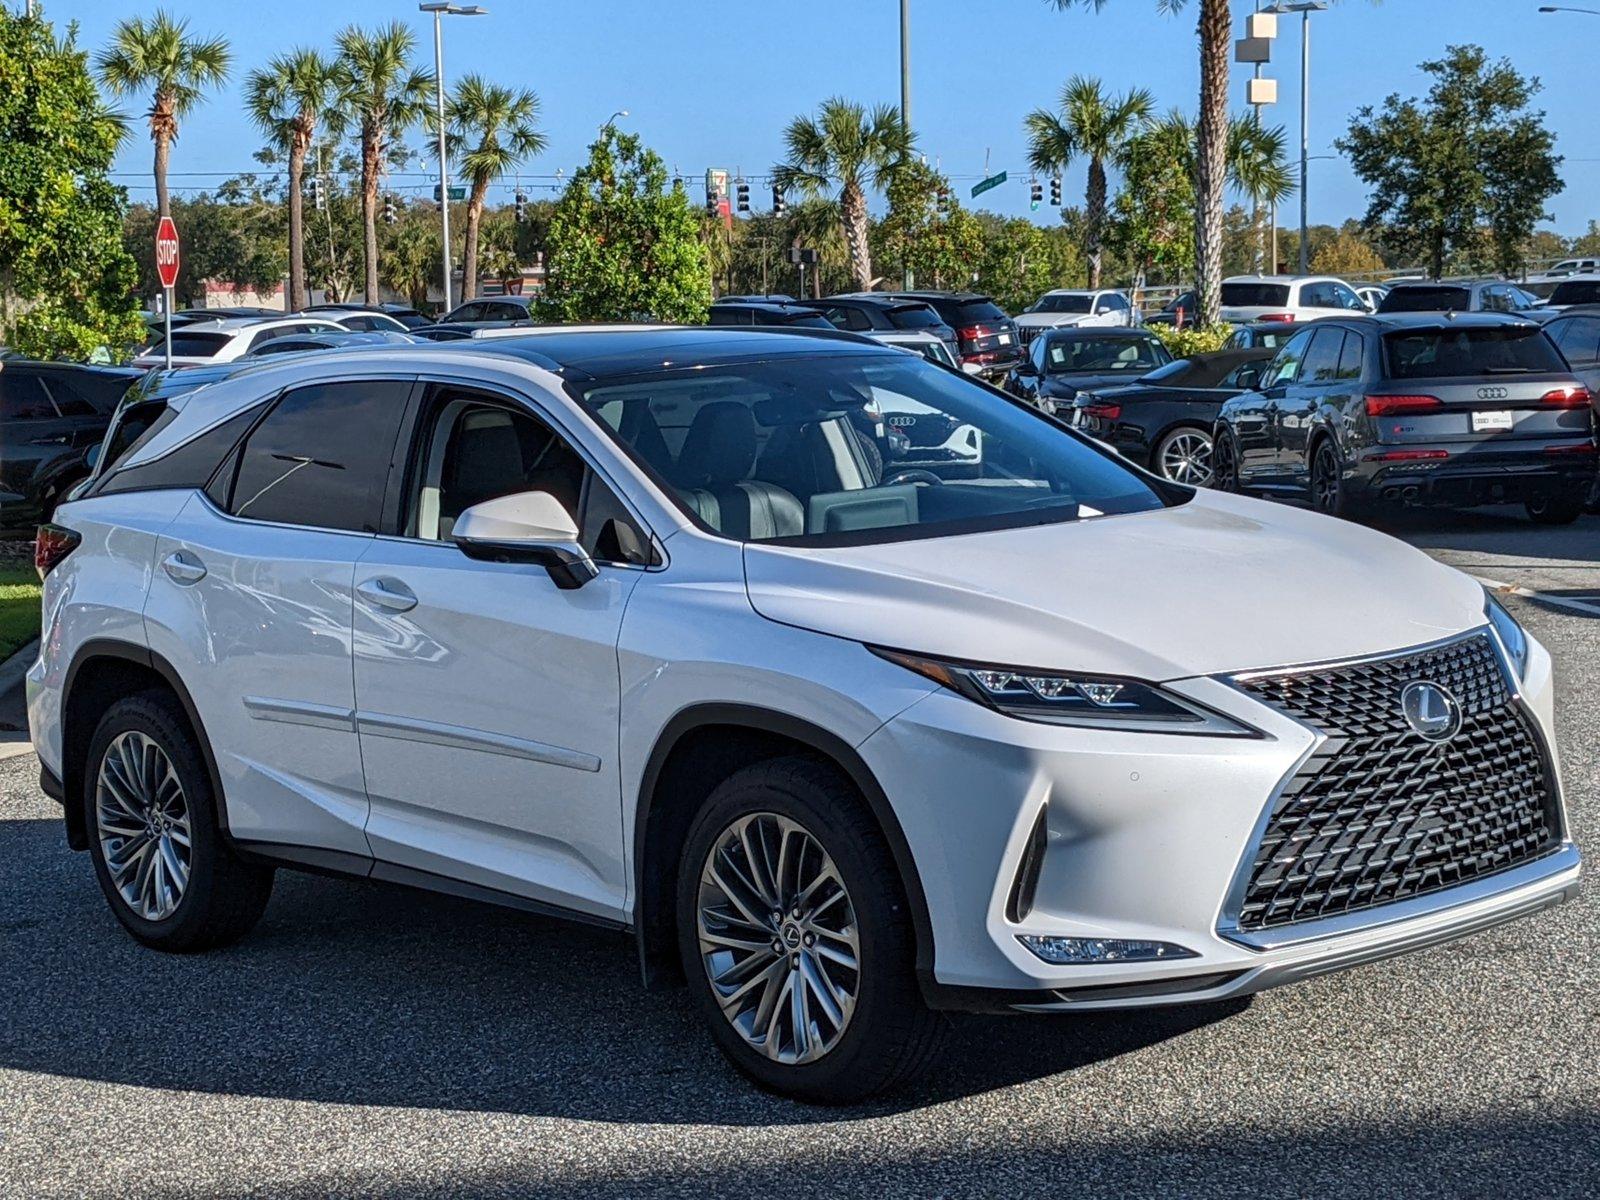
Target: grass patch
[[19, 608]]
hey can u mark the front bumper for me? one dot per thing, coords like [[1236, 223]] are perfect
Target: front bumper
[[1147, 834]]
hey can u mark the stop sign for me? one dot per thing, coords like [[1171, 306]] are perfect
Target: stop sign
[[167, 252]]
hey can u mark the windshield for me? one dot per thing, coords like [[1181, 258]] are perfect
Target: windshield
[[1489, 350], [1255, 295], [810, 449], [974, 312], [1063, 304], [914, 316], [1427, 299], [1576, 291], [1079, 355]]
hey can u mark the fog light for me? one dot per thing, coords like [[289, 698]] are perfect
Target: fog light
[[1100, 950]]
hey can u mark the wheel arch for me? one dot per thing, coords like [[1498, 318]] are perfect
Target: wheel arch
[[101, 671], [661, 821]]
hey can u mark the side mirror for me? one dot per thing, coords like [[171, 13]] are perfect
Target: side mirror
[[1248, 379], [92, 455], [526, 527], [1027, 367], [972, 368]]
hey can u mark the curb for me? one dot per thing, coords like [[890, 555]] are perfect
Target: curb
[[15, 667]]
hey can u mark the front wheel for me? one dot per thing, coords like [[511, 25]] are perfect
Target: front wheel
[[1224, 462], [796, 938], [1184, 456]]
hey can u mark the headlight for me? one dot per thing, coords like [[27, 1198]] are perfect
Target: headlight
[[1097, 701], [1511, 635]]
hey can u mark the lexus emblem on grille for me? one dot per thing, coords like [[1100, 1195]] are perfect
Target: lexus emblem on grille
[[1493, 393], [1431, 711]]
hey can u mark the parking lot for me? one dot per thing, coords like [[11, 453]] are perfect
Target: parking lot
[[372, 1041]]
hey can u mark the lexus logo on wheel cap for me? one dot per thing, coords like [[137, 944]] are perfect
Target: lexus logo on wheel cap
[[1430, 710], [1493, 393]]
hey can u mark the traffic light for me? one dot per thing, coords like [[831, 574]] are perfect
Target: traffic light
[[520, 209], [314, 193], [777, 201], [1055, 191], [389, 216], [743, 191], [711, 202], [942, 201], [1035, 193]]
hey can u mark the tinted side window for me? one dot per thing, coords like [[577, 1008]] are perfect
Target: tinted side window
[[1322, 359], [845, 317], [1287, 365], [1579, 339], [1350, 358], [191, 465], [23, 398], [321, 456]]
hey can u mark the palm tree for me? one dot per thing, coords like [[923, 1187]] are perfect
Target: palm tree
[[848, 148], [288, 99], [160, 56], [1096, 125], [1215, 30], [1257, 166], [385, 95], [504, 125]]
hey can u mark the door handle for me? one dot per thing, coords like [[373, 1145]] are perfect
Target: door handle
[[183, 567], [387, 593]]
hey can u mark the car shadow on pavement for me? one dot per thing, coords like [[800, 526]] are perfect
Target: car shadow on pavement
[[363, 993], [1503, 531]]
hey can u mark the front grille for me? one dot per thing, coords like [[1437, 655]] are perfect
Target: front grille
[[1379, 813], [1026, 334]]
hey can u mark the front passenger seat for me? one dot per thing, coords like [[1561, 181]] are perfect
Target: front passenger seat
[[713, 473]]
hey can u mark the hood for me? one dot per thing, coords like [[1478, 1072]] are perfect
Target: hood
[[1041, 320], [1220, 584]]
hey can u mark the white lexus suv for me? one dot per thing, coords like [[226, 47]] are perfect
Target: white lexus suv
[[657, 629]]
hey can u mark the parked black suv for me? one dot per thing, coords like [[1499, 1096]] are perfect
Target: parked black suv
[[986, 337], [872, 312], [51, 414], [1452, 409]]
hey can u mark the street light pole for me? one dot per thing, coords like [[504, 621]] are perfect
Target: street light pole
[[906, 280], [1305, 138], [439, 8]]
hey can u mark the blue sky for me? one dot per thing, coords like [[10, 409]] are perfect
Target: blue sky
[[714, 84]]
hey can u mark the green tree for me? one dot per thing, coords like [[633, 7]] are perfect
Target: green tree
[[1348, 255], [288, 100], [384, 95], [848, 149], [941, 246], [493, 129], [622, 244], [1022, 261], [66, 284], [411, 261], [1153, 222], [1097, 126], [1470, 155], [1214, 30], [160, 56]]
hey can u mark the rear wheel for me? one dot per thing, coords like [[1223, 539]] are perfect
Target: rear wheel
[[1328, 491], [1555, 510], [796, 940], [150, 811], [1184, 456]]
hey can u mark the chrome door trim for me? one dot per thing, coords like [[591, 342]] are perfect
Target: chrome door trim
[[300, 712], [412, 729]]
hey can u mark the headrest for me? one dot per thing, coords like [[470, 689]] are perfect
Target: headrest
[[720, 446]]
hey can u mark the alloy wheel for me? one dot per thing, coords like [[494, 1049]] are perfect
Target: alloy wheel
[[1325, 479], [1186, 457], [1224, 470], [142, 822], [778, 938]]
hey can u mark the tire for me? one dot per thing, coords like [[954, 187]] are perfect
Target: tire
[[1555, 510], [887, 1035], [1224, 462], [1329, 494], [143, 748], [1183, 456]]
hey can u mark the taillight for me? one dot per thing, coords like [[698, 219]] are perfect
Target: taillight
[[1286, 318], [1393, 406], [52, 544], [1567, 397], [971, 333], [1407, 455], [1106, 412], [1581, 448]]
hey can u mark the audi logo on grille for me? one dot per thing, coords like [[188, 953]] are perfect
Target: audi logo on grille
[[902, 422], [1493, 393]]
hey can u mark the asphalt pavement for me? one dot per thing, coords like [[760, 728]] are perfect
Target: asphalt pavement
[[371, 1041]]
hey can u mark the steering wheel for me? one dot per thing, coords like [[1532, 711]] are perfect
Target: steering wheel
[[913, 475]]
